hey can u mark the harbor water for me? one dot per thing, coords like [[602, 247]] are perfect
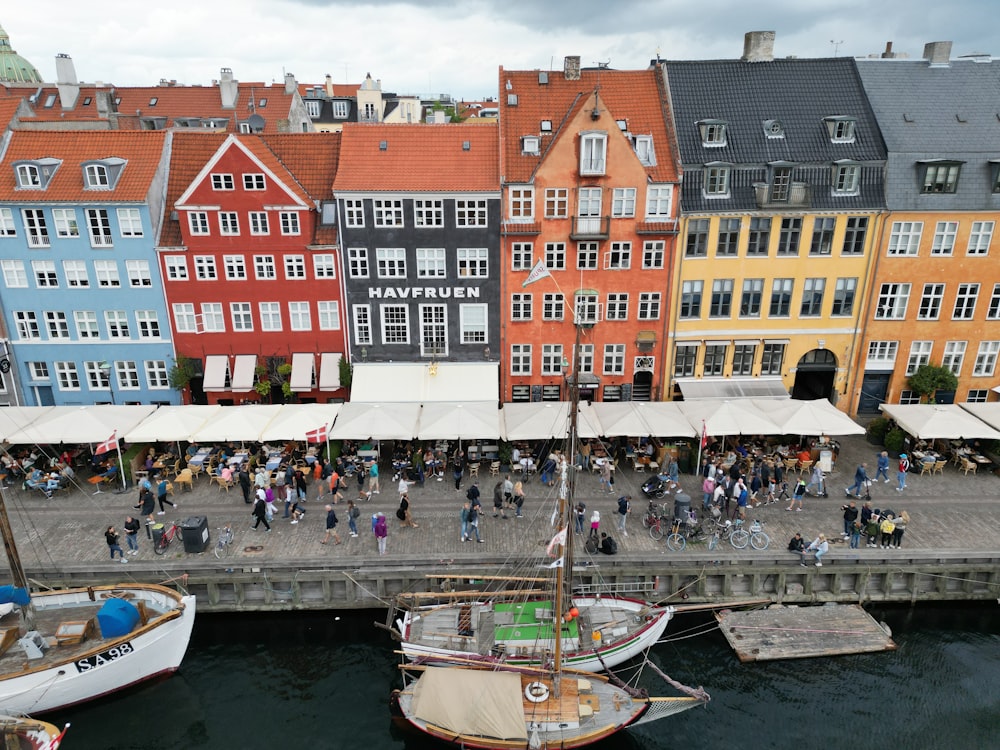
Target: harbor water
[[322, 680]]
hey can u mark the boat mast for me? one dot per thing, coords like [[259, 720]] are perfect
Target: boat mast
[[17, 574]]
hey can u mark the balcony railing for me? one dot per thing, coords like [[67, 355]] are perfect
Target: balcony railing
[[590, 228], [795, 195]]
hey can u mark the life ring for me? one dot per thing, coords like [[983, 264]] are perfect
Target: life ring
[[536, 692]]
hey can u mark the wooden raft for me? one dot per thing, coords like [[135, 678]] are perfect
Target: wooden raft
[[780, 632]]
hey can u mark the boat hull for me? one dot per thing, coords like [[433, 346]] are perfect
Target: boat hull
[[112, 664], [646, 626]]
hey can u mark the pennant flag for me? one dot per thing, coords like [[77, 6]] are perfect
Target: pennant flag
[[108, 445], [539, 271], [559, 538], [704, 435], [558, 563], [318, 435], [55, 742]]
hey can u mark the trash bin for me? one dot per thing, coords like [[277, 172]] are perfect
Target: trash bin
[[194, 532], [156, 531], [682, 505]]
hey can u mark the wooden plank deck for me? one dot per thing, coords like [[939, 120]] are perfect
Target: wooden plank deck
[[803, 632]]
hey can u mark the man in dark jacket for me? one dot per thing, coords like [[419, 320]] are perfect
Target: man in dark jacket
[[850, 516]]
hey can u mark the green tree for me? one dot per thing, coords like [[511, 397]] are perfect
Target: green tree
[[181, 373], [346, 372], [928, 379]]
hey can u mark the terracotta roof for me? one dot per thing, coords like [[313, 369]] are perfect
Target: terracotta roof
[[141, 150], [339, 89], [418, 157], [636, 96], [8, 108], [189, 152]]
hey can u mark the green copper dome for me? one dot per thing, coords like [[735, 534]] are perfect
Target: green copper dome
[[13, 67]]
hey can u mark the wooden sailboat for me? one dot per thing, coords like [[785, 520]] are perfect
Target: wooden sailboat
[[502, 706], [61, 648], [24, 733]]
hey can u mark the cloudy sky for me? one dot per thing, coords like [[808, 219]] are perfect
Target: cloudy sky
[[456, 46]]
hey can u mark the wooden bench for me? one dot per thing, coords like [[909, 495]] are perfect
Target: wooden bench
[[8, 637]]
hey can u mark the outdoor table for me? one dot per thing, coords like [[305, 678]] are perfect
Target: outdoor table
[[273, 461]]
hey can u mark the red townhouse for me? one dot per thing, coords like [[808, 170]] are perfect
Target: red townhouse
[[251, 267]]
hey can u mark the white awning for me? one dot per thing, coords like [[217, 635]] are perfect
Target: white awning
[[329, 371], [243, 372], [945, 421], [302, 371], [421, 383], [697, 389], [216, 369], [465, 421]]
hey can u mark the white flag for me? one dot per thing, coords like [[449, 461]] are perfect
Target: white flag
[[539, 271], [555, 563], [559, 538]]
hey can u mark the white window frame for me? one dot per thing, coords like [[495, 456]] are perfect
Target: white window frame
[[147, 323], [587, 256], [553, 306], [555, 256], [26, 323], [328, 314], [659, 202], [473, 262], [521, 204], [473, 323], [896, 298], [931, 300], [980, 238], [432, 263], [57, 325], [157, 374], [552, 357], [556, 203], [904, 237], [653, 254], [116, 323], [357, 262], [618, 257], [716, 183], [354, 212], [614, 359], [593, 152], [289, 222], [264, 268], [185, 319], [520, 359], [106, 273], [361, 324], [617, 306], [177, 268], [521, 306], [205, 269], [623, 203], [395, 319], [882, 355], [954, 355], [45, 274], [432, 322], [229, 223], [986, 359], [966, 298], [471, 212], [7, 226], [241, 317], [64, 221], [295, 267], [35, 227], [213, 318], [324, 266], [388, 212], [299, 316], [130, 223], [945, 233], [198, 223], [67, 376], [649, 305], [139, 274], [254, 181], [428, 212], [14, 274], [222, 181], [522, 256], [259, 224], [234, 267], [920, 354], [390, 262], [270, 316]]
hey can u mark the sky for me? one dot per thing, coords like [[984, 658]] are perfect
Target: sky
[[457, 46]]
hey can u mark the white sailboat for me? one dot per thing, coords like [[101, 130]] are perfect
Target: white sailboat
[[61, 648], [497, 705]]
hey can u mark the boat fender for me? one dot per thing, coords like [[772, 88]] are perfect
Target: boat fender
[[536, 692]]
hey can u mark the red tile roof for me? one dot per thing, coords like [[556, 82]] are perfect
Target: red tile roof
[[8, 108], [637, 96], [312, 160], [189, 153], [141, 150], [339, 89], [418, 157]]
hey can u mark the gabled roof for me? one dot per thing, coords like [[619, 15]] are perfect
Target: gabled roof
[[636, 96], [189, 152], [940, 109], [418, 158], [798, 93], [142, 152]]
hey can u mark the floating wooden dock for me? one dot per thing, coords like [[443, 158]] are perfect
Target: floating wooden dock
[[781, 632]]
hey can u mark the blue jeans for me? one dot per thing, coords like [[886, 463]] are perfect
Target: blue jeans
[[465, 530], [475, 527], [133, 542], [882, 472], [115, 548], [901, 478], [351, 524]]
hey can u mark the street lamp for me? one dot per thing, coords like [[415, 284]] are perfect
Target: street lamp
[[105, 367]]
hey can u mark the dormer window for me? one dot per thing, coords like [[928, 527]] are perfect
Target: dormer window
[[545, 126], [717, 180], [35, 175], [313, 108], [530, 144], [846, 177], [644, 150], [102, 174], [622, 125], [713, 133], [593, 152], [840, 129], [774, 129], [341, 109], [994, 176], [939, 176]]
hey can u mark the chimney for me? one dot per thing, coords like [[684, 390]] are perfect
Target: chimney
[[290, 85], [571, 67], [328, 85], [69, 87], [888, 54], [229, 88], [758, 46], [938, 54]]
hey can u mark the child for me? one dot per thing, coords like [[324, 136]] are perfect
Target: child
[[855, 534]]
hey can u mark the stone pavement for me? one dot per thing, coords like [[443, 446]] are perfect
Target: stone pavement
[[952, 512]]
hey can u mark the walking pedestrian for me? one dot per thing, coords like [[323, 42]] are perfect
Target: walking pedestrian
[[289, 497], [595, 526], [606, 476], [161, 495], [111, 537], [352, 518], [798, 494], [381, 531], [882, 466], [331, 525], [624, 508], [508, 491], [579, 516], [860, 480], [301, 488], [816, 480], [464, 518], [403, 513], [259, 511], [904, 466], [518, 499], [245, 484], [147, 505], [373, 478], [131, 528], [458, 468], [498, 501]]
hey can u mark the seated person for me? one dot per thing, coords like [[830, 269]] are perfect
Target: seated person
[[226, 474], [52, 483], [608, 545], [192, 449], [797, 545], [37, 480], [804, 455]]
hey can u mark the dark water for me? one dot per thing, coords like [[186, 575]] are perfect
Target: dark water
[[322, 681]]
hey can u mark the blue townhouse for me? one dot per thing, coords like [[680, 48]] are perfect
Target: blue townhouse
[[82, 300]]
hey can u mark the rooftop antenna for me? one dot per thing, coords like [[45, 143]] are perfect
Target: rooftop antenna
[[836, 46]]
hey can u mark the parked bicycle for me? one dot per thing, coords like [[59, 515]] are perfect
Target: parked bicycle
[[731, 530], [684, 530], [758, 538], [224, 545], [654, 512], [169, 532]]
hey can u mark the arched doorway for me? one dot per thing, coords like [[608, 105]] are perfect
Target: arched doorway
[[814, 375], [642, 379]]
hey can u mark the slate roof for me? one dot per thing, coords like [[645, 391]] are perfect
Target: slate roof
[[935, 109], [418, 158], [141, 150], [798, 92], [637, 96]]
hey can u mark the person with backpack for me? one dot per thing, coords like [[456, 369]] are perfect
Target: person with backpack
[[352, 518], [798, 494], [904, 466], [608, 545], [381, 531], [624, 508]]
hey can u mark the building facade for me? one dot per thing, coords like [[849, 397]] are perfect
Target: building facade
[[251, 267], [418, 218], [590, 203], [936, 291], [82, 296], [781, 207]]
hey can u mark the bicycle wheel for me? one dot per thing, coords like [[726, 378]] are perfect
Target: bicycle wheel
[[656, 531], [759, 540], [161, 548], [713, 541], [740, 538], [708, 526], [676, 542], [647, 521]]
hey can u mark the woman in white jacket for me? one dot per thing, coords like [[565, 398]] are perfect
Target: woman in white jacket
[[819, 547]]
